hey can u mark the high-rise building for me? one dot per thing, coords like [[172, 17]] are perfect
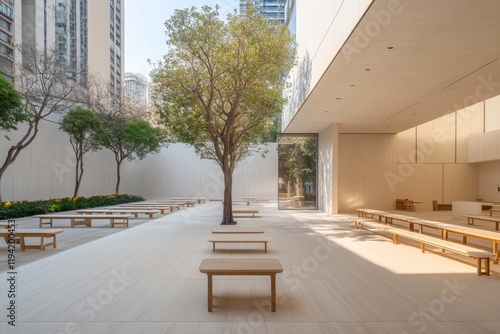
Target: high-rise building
[[102, 41], [136, 88], [87, 34], [272, 9], [9, 18]]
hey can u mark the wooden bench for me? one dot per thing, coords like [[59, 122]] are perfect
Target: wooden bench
[[233, 239], [134, 212], [231, 230], [471, 218], [257, 199], [76, 219], [482, 256], [436, 206], [162, 208], [22, 234], [245, 267], [494, 210], [369, 223], [243, 211]]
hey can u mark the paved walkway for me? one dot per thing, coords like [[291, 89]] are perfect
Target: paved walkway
[[145, 279]]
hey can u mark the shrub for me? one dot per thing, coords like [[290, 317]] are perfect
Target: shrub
[[16, 209]]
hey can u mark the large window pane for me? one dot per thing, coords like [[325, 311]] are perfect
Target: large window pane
[[297, 172]]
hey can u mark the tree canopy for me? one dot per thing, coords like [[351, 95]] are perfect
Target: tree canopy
[[131, 139], [11, 111], [83, 127], [219, 86]]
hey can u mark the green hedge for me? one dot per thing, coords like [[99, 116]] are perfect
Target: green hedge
[[16, 209]]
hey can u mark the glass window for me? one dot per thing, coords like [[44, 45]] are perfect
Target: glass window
[[297, 172]]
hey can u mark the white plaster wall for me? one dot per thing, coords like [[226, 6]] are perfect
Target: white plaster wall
[[323, 26], [178, 171], [45, 169]]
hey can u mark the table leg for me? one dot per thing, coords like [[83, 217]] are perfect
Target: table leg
[[273, 292], [209, 292], [495, 251]]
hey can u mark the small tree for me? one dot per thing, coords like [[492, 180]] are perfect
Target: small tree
[[131, 139], [11, 111], [44, 89], [220, 84], [83, 127]]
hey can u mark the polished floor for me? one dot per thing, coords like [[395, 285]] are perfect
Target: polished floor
[[145, 279]]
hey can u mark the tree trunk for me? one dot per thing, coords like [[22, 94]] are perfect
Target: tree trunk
[[79, 175], [118, 177], [227, 213], [16, 149]]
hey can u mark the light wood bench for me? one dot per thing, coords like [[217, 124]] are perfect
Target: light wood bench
[[482, 256], [471, 218], [244, 211], [76, 219], [134, 212], [257, 199], [245, 267], [22, 234], [161, 209], [494, 210], [440, 206], [233, 239], [231, 230]]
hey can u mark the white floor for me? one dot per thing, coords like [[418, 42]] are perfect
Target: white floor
[[145, 279]]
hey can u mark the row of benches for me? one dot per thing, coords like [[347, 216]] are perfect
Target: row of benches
[[366, 218], [117, 215]]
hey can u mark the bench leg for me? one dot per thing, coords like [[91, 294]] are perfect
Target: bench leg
[[209, 292], [265, 247], [273, 292], [213, 246], [480, 270]]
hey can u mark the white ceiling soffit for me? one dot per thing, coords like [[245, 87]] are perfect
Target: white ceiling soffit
[[433, 58]]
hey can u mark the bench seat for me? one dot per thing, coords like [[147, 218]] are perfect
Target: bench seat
[[237, 230], [248, 211], [76, 219], [245, 267], [494, 219], [22, 234], [134, 212], [480, 255], [233, 239]]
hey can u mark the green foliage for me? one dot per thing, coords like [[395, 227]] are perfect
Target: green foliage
[[220, 84], [82, 125], [130, 138], [11, 106], [16, 209]]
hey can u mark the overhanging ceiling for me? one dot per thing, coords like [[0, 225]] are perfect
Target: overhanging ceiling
[[430, 59]]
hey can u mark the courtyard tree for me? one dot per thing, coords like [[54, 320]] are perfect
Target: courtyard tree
[[131, 139], [219, 86], [45, 89], [83, 127], [11, 106]]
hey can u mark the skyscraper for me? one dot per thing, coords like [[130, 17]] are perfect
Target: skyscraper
[[88, 35], [136, 88], [9, 18], [272, 9]]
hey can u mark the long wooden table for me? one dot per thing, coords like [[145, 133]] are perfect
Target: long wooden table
[[245, 267]]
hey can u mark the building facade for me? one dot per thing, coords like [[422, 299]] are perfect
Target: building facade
[[272, 9], [137, 88], [88, 36]]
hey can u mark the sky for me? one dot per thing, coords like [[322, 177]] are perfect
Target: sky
[[145, 33]]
